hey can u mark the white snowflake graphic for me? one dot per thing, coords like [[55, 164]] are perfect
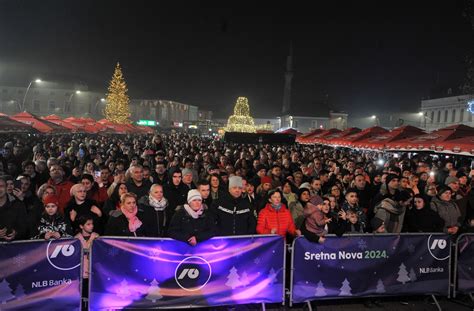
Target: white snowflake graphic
[[256, 260], [136, 270], [319, 266], [19, 260], [362, 244], [342, 267], [154, 254], [113, 251]]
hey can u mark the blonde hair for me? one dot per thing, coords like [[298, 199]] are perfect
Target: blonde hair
[[124, 196], [74, 188]]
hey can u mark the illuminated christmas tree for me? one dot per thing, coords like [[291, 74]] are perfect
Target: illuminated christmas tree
[[241, 121], [117, 109]]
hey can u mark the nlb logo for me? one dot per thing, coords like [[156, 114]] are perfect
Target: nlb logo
[[60, 255], [438, 247], [193, 273]]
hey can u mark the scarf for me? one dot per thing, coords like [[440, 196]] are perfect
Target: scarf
[[276, 207], [192, 213], [133, 222], [158, 205]]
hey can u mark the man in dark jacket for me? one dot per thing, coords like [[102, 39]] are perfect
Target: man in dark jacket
[[234, 215], [13, 219], [175, 192], [137, 184]]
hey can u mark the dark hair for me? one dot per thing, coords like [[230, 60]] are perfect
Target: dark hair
[[81, 220], [88, 177], [202, 182], [104, 167]]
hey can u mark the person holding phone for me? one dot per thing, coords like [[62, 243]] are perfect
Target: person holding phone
[[12, 216]]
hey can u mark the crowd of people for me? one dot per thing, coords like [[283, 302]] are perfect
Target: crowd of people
[[191, 189]]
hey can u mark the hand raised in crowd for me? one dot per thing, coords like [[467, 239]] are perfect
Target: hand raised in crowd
[[76, 172], [322, 239], [192, 241], [342, 214], [96, 210], [20, 195], [56, 235], [328, 220], [453, 230], [298, 232], [48, 235]]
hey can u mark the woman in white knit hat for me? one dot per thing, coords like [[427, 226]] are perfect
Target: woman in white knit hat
[[192, 223]]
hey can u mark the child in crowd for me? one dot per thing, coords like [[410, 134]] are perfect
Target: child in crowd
[[351, 224], [52, 225]]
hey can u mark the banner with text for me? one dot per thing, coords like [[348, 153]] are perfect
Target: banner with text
[[358, 266], [40, 275], [465, 264], [150, 273]]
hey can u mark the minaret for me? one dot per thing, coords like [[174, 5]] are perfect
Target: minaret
[[288, 77]]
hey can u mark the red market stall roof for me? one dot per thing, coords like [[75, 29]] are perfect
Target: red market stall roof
[[41, 125], [349, 140], [330, 139], [289, 130], [304, 136], [57, 120], [8, 125], [321, 137], [433, 141], [378, 142]]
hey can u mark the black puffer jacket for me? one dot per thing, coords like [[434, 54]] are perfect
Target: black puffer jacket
[[13, 217], [233, 216], [183, 226], [118, 225], [156, 220]]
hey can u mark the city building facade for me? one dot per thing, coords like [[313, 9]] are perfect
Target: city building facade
[[442, 112]]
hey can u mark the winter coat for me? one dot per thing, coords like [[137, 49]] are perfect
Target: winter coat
[[117, 225], [55, 223], [156, 220], [315, 219], [423, 220], [448, 211], [297, 212], [233, 216], [360, 212], [281, 220], [13, 217], [176, 196], [84, 209], [140, 191], [183, 226], [392, 214]]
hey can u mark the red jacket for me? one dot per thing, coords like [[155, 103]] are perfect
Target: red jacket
[[281, 220], [63, 192]]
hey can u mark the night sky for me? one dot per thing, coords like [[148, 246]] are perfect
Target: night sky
[[365, 58]]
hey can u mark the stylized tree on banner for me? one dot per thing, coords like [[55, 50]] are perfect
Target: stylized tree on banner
[[244, 279], [345, 289], [123, 291], [19, 292], [320, 290], [272, 276], [380, 289], [233, 279], [154, 292], [5, 291], [412, 275], [117, 109], [403, 274]]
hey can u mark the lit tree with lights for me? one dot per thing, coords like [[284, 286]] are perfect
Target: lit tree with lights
[[117, 109], [241, 121]]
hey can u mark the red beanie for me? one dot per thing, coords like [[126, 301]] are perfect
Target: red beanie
[[266, 180], [51, 198]]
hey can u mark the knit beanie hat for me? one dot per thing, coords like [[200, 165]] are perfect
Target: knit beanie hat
[[194, 195], [235, 181], [51, 198], [390, 177], [266, 180], [450, 179], [186, 171]]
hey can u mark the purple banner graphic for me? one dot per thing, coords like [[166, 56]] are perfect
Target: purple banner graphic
[[358, 266], [40, 275], [465, 264], [150, 273]]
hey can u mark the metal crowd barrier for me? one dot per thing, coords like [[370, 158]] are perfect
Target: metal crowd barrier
[[464, 266]]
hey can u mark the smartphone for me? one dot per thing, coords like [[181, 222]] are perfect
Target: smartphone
[[97, 173], [17, 184]]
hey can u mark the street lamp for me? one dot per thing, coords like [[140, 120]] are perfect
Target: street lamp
[[27, 89], [374, 117], [67, 105], [102, 100]]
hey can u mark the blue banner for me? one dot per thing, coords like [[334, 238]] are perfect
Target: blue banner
[[40, 275], [370, 265], [150, 273], [465, 264]]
